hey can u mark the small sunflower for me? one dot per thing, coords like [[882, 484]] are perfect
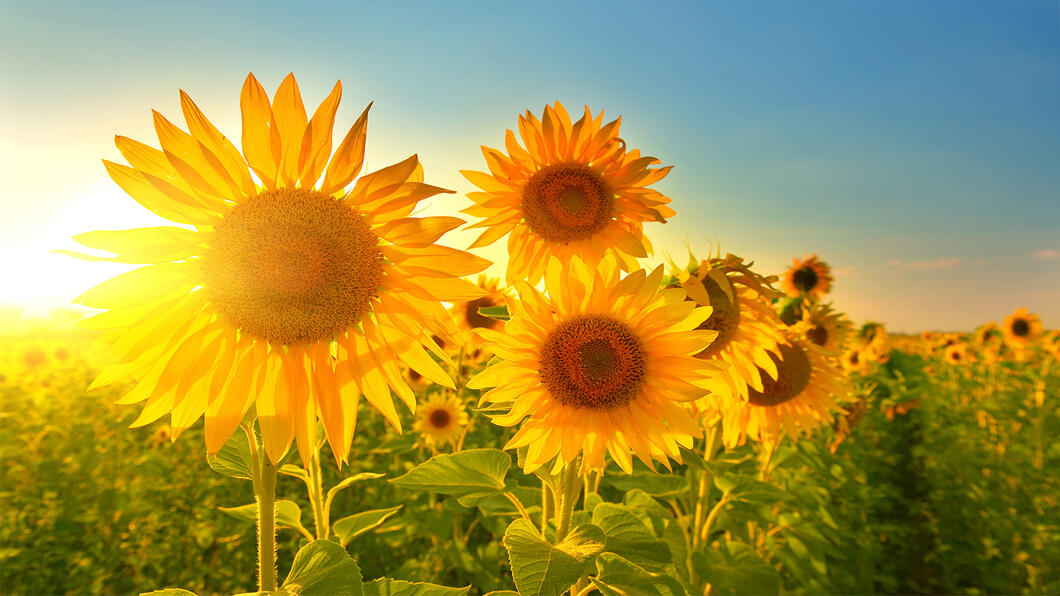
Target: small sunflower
[[573, 191], [826, 327], [958, 354], [441, 419], [988, 334], [748, 328], [799, 399], [1021, 328], [601, 365], [853, 361], [467, 314], [294, 297], [810, 276]]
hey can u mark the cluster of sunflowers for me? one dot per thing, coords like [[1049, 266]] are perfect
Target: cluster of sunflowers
[[289, 291]]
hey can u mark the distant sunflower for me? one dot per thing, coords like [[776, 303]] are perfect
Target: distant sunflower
[[1021, 328], [748, 328], [853, 361], [292, 297], [467, 314], [573, 191], [601, 365], [988, 333], [957, 354], [801, 398], [810, 276], [441, 419], [826, 327]]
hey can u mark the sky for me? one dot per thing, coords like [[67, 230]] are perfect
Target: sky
[[913, 146]]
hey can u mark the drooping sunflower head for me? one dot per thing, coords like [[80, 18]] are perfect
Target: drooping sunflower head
[[574, 190], [807, 277], [280, 287], [1021, 328], [748, 328], [601, 364], [826, 328], [441, 419], [798, 399]]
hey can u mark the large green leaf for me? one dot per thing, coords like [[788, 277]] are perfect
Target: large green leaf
[[322, 568], [234, 459], [288, 513], [350, 481], [656, 485], [628, 536], [350, 527], [749, 490], [540, 568], [736, 568], [619, 577], [385, 586], [470, 475]]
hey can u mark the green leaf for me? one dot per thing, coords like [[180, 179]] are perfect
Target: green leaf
[[656, 485], [502, 593], [350, 481], [618, 577], [322, 568], [293, 470], [168, 592], [350, 527], [234, 459], [385, 586], [540, 568], [495, 312], [470, 475], [749, 490], [288, 513], [736, 568], [629, 537]]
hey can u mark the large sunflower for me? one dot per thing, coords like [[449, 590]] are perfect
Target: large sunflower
[[573, 191], [1021, 328], [748, 327], [289, 296], [801, 398], [809, 276], [601, 365]]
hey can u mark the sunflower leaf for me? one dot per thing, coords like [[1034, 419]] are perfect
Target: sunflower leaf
[[539, 567], [736, 568], [495, 312], [354, 525], [470, 475], [322, 568], [628, 536], [385, 586], [617, 576], [656, 485], [234, 459], [288, 514], [347, 482], [168, 592]]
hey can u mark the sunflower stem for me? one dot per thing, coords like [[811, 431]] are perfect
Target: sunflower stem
[[316, 495], [264, 473], [570, 487]]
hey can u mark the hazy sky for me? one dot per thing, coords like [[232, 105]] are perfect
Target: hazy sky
[[915, 146]]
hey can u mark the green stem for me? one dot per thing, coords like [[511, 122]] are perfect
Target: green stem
[[321, 518], [546, 505], [570, 486], [264, 473], [702, 500]]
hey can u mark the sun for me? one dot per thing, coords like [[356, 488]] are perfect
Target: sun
[[601, 365], [283, 288], [574, 190]]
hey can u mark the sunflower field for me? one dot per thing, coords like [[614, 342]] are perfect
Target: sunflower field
[[302, 389]]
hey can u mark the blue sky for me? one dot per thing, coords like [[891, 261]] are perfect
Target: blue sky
[[914, 146]]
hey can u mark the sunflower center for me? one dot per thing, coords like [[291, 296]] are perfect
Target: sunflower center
[[805, 279], [793, 375], [439, 418], [818, 335], [293, 265], [1021, 328], [567, 202], [725, 319], [592, 362], [476, 319]]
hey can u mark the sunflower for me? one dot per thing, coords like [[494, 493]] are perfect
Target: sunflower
[[1021, 328], [573, 191], [853, 361], [988, 333], [826, 327], [290, 296], [467, 315], [801, 397], [441, 419], [601, 365], [748, 328], [810, 277], [958, 353]]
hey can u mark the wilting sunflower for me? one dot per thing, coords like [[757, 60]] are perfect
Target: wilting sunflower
[[1021, 328], [441, 419], [748, 328], [799, 399], [291, 296], [573, 191], [810, 277], [467, 315], [601, 365], [957, 354], [826, 327]]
